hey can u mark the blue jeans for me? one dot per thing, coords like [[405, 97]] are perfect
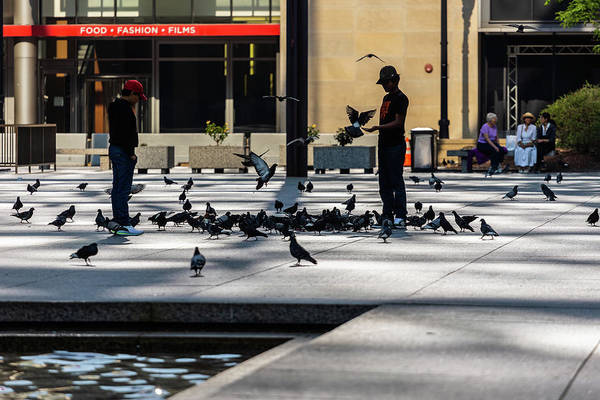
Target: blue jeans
[[391, 182], [123, 167]]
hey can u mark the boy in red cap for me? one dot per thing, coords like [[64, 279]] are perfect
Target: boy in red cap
[[123, 141]]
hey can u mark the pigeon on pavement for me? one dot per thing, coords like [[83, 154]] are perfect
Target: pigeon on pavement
[[349, 187], [187, 206], [550, 196], [418, 207], [301, 187], [100, 221], [82, 186], [386, 230], [25, 215], [291, 210], [548, 178], [168, 181], [309, 187], [198, 262], [68, 214], [86, 252], [593, 218], [513, 192], [559, 177], [31, 189], [487, 230], [462, 224], [298, 252], [429, 214], [58, 222], [415, 179], [445, 224], [278, 206], [18, 205]]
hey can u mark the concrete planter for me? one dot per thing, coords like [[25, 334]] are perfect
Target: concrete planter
[[215, 157], [344, 158], [155, 157], [310, 154]]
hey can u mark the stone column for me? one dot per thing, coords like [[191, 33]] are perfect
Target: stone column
[[25, 67]]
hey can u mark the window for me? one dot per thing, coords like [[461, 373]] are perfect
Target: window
[[95, 11], [192, 50], [174, 11], [135, 11], [251, 81], [525, 10], [53, 10]]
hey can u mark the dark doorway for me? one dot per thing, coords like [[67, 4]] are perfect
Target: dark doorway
[[57, 101]]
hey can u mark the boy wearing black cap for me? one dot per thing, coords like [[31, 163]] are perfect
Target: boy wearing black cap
[[392, 147], [123, 141]]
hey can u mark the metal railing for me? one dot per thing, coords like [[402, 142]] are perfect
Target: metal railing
[[27, 145]]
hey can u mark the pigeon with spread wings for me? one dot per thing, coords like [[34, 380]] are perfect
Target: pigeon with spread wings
[[370, 55], [357, 120], [282, 98], [265, 173]]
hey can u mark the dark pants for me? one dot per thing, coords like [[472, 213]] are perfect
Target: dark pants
[[496, 157], [542, 150], [391, 181], [123, 167]]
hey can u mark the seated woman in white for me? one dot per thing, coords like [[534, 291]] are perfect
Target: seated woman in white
[[526, 152]]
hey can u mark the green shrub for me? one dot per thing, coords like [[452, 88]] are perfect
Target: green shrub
[[216, 132], [342, 137], [577, 117], [313, 132]]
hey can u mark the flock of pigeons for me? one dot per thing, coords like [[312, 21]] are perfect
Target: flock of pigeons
[[285, 221]]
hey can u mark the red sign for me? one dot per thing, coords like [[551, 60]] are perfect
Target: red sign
[[170, 30]]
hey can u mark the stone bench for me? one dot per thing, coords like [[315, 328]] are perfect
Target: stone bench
[[218, 158], [155, 157], [466, 155], [102, 152], [344, 158]]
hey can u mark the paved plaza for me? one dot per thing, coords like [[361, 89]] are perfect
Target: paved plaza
[[450, 316]]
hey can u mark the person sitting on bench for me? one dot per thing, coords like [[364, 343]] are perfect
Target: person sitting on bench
[[488, 144], [546, 138]]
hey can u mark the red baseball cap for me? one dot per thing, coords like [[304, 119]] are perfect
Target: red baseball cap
[[135, 87]]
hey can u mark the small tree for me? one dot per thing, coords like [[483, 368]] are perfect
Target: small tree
[[216, 132], [580, 12], [312, 133], [342, 137], [577, 117]]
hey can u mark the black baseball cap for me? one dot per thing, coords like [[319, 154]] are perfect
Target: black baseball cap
[[387, 73]]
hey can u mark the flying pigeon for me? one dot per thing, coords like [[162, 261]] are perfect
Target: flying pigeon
[[282, 98], [511, 195], [298, 252], [301, 140], [86, 252], [521, 28], [82, 186], [386, 230], [370, 55], [265, 173], [593, 218], [550, 196], [18, 205], [25, 215], [357, 120], [198, 262], [487, 230]]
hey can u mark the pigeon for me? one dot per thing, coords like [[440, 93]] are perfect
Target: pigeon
[[58, 222], [135, 220], [349, 187], [161, 220], [154, 217], [415, 179], [182, 197], [31, 189], [186, 187], [187, 206], [198, 262], [418, 207], [511, 195], [215, 230], [265, 173], [190, 182], [521, 28], [548, 178], [282, 98], [309, 187], [210, 210], [18, 205], [437, 186], [291, 210], [253, 232], [357, 120], [593, 218], [86, 252], [429, 214], [445, 224], [487, 230], [298, 252], [135, 189], [370, 55], [68, 214], [278, 206], [37, 184], [444, 162], [100, 221], [386, 230], [469, 218], [350, 203], [415, 221], [433, 179], [25, 215], [462, 224], [434, 225], [301, 187], [550, 196], [559, 177], [303, 141], [82, 186], [168, 181]]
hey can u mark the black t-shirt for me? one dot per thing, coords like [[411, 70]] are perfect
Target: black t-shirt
[[122, 126], [393, 103]]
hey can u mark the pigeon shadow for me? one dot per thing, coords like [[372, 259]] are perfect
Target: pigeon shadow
[[301, 265], [114, 240]]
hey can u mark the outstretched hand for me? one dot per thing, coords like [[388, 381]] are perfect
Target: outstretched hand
[[371, 129]]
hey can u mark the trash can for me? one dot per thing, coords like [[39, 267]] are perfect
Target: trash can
[[423, 150]]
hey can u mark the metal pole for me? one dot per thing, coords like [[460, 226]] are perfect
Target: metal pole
[[297, 85], [444, 122], [25, 70], [2, 64]]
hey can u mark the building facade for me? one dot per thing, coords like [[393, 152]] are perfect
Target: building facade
[[214, 60]]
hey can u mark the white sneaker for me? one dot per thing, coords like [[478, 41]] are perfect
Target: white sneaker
[[129, 231]]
